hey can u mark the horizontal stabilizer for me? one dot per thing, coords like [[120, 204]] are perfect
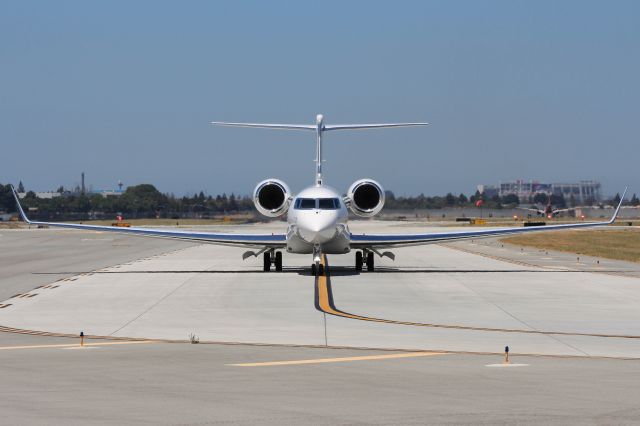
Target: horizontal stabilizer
[[371, 126], [266, 126]]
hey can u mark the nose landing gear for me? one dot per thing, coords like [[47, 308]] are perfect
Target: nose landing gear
[[317, 269]]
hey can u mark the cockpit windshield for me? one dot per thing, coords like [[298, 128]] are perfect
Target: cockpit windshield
[[305, 203], [317, 203], [328, 203]]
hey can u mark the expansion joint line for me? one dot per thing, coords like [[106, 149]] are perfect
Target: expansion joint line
[[324, 302]]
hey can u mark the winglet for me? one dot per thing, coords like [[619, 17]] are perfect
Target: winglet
[[22, 214], [615, 213]]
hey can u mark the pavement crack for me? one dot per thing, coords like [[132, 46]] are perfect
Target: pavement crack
[[152, 306]]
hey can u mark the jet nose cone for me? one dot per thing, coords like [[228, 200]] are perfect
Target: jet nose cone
[[318, 230]]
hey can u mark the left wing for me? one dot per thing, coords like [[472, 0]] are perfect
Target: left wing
[[398, 240], [239, 240]]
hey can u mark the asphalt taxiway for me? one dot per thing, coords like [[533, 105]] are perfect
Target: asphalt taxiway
[[407, 344]]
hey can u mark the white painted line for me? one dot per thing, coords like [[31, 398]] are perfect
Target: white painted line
[[81, 347], [504, 365]]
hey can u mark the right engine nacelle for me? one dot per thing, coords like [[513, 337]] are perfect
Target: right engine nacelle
[[272, 197], [366, 197]]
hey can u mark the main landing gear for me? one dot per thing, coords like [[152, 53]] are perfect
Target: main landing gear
[[365, 256], [274, 258]]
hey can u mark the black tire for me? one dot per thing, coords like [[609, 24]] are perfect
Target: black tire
[[278, 261], [320, 269], [266, 262], [370, 262], [359, 261], [313, 269]]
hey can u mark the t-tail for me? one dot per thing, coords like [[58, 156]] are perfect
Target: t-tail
[[319, 127]]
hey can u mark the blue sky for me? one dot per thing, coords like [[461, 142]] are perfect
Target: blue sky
[[125, 91]]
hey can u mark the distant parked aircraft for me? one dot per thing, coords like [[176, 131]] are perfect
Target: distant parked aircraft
[[548, 210]]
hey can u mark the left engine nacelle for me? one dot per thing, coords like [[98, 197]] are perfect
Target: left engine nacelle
[[272, 197]]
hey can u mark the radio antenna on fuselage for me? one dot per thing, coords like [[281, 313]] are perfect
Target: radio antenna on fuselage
[[319, 128]]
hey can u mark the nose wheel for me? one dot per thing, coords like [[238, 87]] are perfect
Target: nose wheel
[[317, 269]]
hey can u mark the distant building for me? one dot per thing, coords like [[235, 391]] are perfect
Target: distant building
[[109, 192], [583, 191]]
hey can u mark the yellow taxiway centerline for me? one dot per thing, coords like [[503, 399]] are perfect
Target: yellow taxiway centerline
[[71, 345], [344, 359]]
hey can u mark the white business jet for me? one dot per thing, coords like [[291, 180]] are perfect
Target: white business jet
[[317, 216]]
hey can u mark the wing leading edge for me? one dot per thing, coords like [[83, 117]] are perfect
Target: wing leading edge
[[398, 240], [239, 240]]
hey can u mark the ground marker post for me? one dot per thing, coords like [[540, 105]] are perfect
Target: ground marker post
[[506, 354], [82, 338]]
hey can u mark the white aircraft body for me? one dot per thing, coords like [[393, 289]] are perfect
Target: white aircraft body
[[317, 216]]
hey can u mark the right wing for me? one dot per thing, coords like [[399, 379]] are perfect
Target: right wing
[[381, 241], [531, 210], [239, 240], [555, 212]]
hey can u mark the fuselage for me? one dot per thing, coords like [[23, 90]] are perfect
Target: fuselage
[[317, 219]]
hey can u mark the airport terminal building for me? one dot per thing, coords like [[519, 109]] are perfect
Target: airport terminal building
[[584, 191]]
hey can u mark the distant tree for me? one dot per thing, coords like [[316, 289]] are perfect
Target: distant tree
[[635, 201], [462, 199], [232, 202], [20, 187], [540, 198], [30, 196], [495, 202], [572, 201], [558, 200], [7, 202], [450, 199], [510, 199], [616, 199], [60, 190]]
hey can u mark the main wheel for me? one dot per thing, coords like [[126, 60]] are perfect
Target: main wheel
[[359, 261], [313, 269], [279, 261], [266, 265], [370, 262], [320, 269]]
